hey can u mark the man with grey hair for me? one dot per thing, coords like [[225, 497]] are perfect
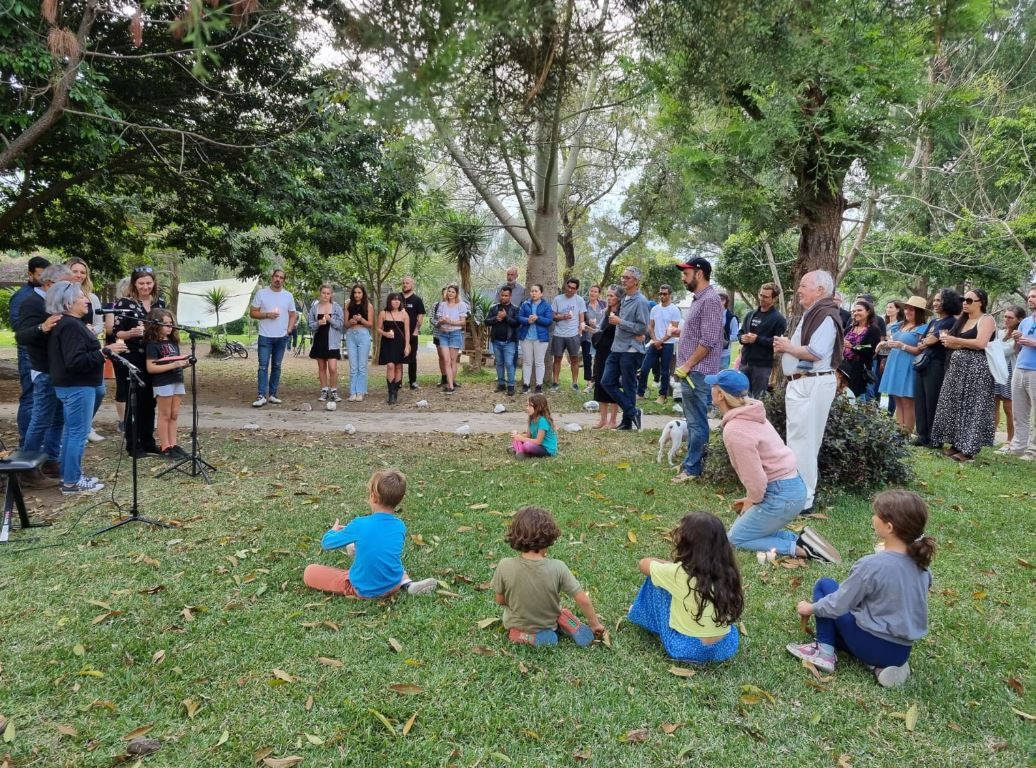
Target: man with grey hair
[[809, 359], [33, 332], [623, 364]]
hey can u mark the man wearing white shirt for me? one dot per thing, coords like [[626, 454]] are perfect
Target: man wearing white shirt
[[809, 359], [664, 330], [274, 308]]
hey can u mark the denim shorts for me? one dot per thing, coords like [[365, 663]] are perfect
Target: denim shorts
[[168, 390], [451, 339]]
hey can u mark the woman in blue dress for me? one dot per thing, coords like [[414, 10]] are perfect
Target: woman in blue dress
[[898, 380]]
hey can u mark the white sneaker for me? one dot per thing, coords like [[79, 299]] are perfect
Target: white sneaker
[[95, 436], [890, 677], [354, 398], [85, 485], [323, 395], [421, 587], [335, 396], [275, 400], [259, 402]]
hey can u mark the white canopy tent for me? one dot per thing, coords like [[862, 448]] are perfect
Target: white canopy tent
[[194, 309]]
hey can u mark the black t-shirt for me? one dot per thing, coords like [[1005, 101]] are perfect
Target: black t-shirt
[[157, 350], [414, 306], [127, 321]]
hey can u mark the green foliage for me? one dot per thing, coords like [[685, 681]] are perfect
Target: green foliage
[[862, 449], [743, 266], [5, 307]]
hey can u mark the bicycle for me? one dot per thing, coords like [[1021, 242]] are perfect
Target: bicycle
[[234, 349]]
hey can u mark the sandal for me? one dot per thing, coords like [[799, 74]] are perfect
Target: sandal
[[963, 458], [950, 452]]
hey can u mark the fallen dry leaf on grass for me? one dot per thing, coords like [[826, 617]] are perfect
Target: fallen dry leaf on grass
[[142, 747], [1023, 715], [280, 674], [395, 645], [384, 721], [406, 689], [192, 707], [409, 724], [327, 661], [487, 622], [282, 762], [581, 755], [67, 730], [223, 739], [682, 672], [158, 657], [753, 694], [138, 732], [670, 728], [635, 736]]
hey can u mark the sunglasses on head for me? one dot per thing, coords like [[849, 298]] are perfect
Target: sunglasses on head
[[144, 271]]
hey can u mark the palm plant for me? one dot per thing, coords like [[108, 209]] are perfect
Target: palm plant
[[218, 299], [462, 238]]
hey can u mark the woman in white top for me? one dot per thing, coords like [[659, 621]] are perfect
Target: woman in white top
[[449, 327]]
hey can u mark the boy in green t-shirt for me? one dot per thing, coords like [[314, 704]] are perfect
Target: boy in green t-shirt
[[529, 586]]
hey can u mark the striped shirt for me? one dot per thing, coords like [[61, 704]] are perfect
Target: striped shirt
[[703, 327]]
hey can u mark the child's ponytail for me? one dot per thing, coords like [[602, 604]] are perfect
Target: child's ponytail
[[922, 550], [908, 514]]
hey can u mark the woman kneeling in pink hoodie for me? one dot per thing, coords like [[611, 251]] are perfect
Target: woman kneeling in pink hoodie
[[775, 492]]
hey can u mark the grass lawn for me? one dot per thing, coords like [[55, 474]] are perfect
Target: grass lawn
[[206, 636]]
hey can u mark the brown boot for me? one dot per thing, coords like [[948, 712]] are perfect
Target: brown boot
[[36, 480], [51, 468]]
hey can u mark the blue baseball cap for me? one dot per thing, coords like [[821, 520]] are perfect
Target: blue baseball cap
[[730, 381]]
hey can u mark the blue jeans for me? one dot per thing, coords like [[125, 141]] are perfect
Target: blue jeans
[[761, 527], [271, 353], [664, 356], [843, 634], [358, 345], [44, 432], [620, 381], [25, 399], [503, 351], [696, 398], [78, 404]]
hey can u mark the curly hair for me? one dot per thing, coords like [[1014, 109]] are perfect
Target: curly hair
[[532, 529], [159, 318], [701, 546]]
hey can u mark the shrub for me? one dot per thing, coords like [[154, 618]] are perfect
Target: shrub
[[862, 448], [5, 307]]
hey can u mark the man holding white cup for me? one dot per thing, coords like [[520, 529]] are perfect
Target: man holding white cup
[[274, 308]]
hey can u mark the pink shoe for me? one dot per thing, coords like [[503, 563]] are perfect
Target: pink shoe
[[812, 653]]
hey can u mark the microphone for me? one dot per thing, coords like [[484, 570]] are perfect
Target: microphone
[[114, 311], [124, 361]]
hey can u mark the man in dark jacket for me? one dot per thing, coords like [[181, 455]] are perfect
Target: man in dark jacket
[[32, 332], [756, 337], [503, 332], [36, 266]]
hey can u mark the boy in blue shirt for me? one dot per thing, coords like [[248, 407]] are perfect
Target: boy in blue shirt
[[375, 542]]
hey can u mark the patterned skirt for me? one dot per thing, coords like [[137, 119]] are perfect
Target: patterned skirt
[[964, 416], [651, 611]]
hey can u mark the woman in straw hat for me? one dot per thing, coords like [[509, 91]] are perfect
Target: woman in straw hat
[[898, 379]]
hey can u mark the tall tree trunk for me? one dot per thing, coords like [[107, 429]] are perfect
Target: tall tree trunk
[[820, 234], [567, 241], [543, 253]]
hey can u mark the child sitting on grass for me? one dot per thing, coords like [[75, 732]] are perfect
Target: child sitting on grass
[[692, 604], [375, 542], [542, 438], [881, 609], [529, 586]]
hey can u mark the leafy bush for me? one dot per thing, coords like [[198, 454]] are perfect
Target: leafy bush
[[862, 448], [5, 307]]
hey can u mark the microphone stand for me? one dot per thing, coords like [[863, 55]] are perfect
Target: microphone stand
[[198, 465], [134, 382]]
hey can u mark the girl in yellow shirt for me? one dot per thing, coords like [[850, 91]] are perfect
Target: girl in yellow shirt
[[693, 602]]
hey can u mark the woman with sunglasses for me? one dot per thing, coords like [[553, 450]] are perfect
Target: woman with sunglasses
[[964, 417], [130, 315]]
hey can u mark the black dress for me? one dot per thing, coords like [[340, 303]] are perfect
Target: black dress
[[321, 349], [604, 348], [392, 349]]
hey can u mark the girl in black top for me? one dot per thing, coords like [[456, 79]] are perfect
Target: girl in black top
[[130, 319], [165, 364]]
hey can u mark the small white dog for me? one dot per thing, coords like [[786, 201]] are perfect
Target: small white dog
[[674, 435]]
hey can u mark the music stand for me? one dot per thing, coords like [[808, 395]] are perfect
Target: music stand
[[134, 382], [198, 465]]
